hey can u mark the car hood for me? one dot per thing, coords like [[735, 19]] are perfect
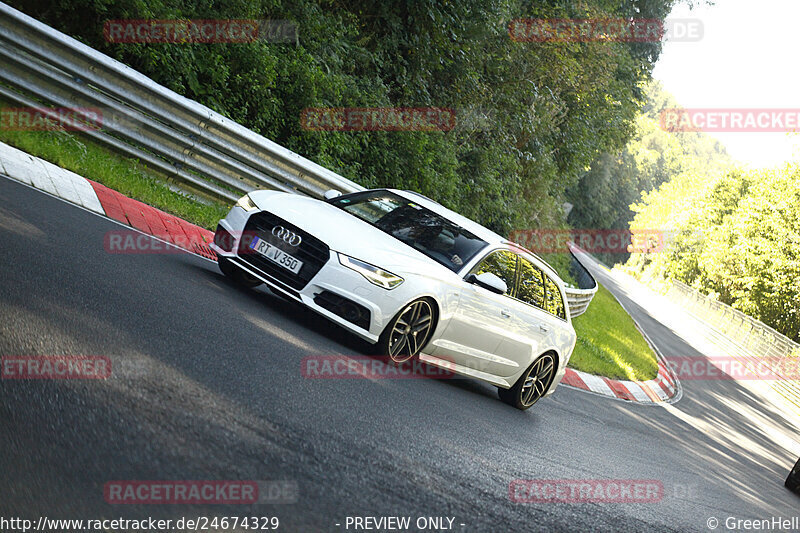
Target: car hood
[[345, 233]]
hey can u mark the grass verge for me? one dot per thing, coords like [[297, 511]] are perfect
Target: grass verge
[[609, 343], [125, 175]]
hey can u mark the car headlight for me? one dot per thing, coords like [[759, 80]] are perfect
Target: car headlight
[[246, 203], [376, 276]]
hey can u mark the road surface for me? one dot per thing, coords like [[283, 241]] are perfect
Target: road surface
[[206, 385]]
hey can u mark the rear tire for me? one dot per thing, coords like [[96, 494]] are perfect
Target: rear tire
[[239, 276], [532, 384]]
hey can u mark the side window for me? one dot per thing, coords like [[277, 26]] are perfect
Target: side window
[[500, 263], [554, 304], [531, 284]]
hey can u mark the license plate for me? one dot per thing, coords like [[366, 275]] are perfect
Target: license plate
[[276, 255]]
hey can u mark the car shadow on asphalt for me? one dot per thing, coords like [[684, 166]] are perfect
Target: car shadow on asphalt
[[348, 343], [287, 308], [302, 316]]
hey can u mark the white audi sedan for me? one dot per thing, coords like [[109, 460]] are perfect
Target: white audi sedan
[[416, 279]]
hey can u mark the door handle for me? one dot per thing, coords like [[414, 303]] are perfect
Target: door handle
[[544, 328], [506, 313]]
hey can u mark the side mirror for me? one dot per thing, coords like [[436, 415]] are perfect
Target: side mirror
[[331, 194], [488, 281]]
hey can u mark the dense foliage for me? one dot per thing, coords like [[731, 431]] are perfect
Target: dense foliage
[[530, 117], [604, 195], [736, 237]]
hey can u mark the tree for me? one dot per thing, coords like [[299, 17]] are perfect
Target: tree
[[554, 107]]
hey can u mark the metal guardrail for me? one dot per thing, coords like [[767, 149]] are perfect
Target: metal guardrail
[[579, 298], [578, 301], [194, 147], [182, 139], [754, 342], [752, 334]]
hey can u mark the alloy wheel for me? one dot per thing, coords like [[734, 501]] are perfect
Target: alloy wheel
[[538, 380], [410, 331]]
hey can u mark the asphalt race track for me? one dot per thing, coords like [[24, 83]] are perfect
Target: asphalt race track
[[206, 385]]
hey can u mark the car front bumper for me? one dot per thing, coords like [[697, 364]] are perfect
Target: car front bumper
[[333, 282]]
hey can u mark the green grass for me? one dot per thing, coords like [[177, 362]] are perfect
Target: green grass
[[609, 343], [125, 175]]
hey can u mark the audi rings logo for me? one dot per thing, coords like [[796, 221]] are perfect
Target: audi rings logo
[[290, 238]]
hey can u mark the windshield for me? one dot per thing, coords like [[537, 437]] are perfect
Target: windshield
[[440, 239]]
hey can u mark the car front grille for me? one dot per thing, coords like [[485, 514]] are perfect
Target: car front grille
[[311, 251]]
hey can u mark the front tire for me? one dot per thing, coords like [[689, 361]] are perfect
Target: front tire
[[532, 384], [238, 275], [409, 331]]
